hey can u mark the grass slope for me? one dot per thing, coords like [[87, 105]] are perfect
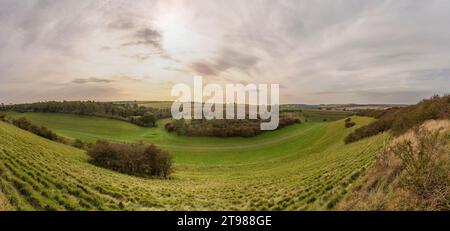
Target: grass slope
[[301, 167]]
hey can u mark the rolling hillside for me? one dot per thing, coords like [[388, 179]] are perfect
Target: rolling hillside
[[302, 167]]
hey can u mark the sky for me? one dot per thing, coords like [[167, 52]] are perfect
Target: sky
[[321, 51]]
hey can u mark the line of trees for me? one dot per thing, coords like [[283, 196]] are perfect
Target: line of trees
[[223, 128], [399, 120], [131, 112]]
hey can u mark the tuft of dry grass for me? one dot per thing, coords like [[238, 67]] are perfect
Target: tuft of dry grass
[[412, 173], [4, 205]]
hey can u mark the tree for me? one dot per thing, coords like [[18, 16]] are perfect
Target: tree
[[133, 158], [148, 119]]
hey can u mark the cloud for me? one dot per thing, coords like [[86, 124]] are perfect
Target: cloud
[[121, 24], [91, 80], [204, 68], [146, 37], [226, 59], [232, 59], [145, 56], [149, 38], [105, 48]]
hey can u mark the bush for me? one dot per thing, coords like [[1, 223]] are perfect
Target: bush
[[22, 123], [170, 127], [146, 120], [425, 163], [136, 159], [44, 132], [149, 119], [79, 144], [350, 124], [160, 161]]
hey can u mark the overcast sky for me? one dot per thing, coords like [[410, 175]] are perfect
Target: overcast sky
[[318, 51]]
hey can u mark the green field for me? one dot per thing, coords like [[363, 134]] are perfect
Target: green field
[[300, 167]]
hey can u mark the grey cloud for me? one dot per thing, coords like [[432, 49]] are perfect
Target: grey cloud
[[91, 80], [147, 37], [226, 59], [121, 24], [115, 78], [233, 59], [204, 68], [150, 38], [145, 56]]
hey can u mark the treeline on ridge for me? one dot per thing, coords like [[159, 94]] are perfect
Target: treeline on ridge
[[401, 119], [131, 112], [223, 128]]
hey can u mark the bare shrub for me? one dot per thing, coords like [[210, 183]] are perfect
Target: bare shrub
[[425, 166]]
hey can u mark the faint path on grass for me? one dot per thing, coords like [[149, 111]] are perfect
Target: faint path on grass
[[260, 143]]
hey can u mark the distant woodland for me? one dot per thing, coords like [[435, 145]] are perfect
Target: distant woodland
[[139, 115]]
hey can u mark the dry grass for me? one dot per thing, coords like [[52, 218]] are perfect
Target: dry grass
[[4, 205], [412, 173]]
